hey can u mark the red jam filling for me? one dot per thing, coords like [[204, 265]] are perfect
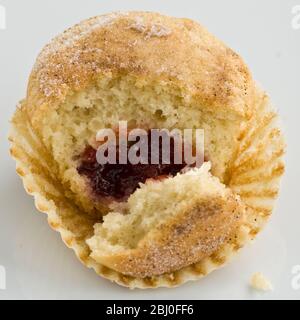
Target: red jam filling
[[119, 181]]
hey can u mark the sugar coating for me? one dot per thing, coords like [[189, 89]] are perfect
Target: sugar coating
[[177, 51]]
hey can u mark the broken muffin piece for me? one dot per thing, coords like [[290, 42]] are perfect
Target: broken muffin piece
[[168, 225]]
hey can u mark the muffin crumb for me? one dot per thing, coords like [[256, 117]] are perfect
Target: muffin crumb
[[260, 282]]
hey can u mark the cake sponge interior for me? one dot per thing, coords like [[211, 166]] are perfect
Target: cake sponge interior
[[68, 130]]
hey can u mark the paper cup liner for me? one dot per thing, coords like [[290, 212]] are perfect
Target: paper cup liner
[[254, 175]]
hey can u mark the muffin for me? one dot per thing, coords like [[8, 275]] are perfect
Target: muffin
[[147, 226]]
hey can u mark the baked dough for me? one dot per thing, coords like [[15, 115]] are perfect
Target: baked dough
[[170, 225], [154, 72]]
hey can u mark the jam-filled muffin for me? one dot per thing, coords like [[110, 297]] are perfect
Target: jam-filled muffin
[[147, 225]]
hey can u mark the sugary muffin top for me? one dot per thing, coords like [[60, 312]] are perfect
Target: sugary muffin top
[[151, 47]]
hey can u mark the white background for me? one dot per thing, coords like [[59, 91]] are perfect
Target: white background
[[37, 263]]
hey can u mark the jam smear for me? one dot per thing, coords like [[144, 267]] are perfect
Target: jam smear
[[119, 181]]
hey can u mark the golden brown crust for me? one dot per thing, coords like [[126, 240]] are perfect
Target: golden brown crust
[[179, 52], [195, 233]]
